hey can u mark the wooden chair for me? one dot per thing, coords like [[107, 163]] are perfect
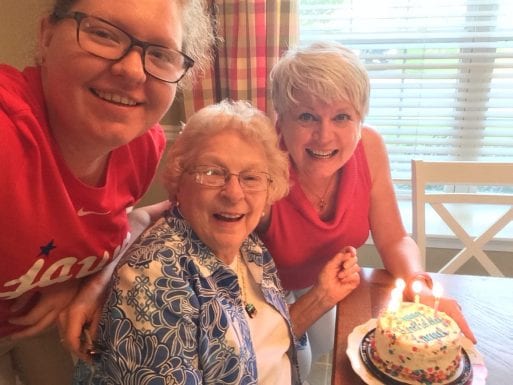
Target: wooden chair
[[426, 173]]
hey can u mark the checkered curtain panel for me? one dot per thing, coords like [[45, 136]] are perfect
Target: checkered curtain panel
[[253, 34]]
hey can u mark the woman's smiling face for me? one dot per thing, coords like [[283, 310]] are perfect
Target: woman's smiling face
[[223, 217], [93, 101], [320, 138]]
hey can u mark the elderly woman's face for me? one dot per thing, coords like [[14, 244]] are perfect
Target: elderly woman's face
[[223, 217], [320, 138]]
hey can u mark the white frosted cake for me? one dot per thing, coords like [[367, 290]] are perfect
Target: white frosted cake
[[415, 345]]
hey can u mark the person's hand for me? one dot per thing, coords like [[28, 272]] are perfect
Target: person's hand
[[450, 307], [79, 321], [48, 303], [340, 276]]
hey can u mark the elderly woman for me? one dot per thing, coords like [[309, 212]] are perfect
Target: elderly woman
[[196, 299], [340, 177]]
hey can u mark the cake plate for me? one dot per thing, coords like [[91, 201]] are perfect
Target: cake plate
[[358, 342]]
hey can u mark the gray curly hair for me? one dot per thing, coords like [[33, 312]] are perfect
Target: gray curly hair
[[235, 116]]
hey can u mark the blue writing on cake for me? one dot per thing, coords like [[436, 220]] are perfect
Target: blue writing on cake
[[434, 335]]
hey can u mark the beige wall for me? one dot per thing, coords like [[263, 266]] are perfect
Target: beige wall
[[19, 21]]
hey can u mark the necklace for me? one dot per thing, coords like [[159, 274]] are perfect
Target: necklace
[[248, 306], [322, 202]]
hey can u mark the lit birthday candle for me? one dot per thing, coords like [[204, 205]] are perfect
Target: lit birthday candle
[[395, 300], [416, 287], [437, 293], [393, 306], [400, 285]]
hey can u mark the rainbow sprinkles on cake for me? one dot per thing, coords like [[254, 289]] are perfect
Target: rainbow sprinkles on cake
[[415, 343]]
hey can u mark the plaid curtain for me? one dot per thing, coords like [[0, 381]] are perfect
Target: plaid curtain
[[253, 34]]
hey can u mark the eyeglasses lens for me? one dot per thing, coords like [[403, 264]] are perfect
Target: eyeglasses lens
[[218, 177], [109, 42]]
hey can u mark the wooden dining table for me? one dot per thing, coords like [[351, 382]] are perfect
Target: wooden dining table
[[486, 302]]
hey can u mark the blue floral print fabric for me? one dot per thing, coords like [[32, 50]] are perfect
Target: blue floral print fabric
[[175, 316]]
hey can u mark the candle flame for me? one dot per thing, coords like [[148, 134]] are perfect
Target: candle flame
[[393, 306], [400, 284], [416, 286], [437, 289], [396, 294]]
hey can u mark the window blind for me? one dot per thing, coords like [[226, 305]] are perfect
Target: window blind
[[441, 73]]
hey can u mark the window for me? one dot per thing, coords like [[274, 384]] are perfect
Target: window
[[441, 73]]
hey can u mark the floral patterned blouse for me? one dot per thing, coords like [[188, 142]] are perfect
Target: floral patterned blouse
[[175, 315]]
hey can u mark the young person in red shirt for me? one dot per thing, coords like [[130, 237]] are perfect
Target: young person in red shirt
[[80, 142]]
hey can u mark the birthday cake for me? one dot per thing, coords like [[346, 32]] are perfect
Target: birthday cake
[[414, 343]]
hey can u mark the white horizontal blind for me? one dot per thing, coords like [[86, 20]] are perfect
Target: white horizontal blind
[[441, 73]]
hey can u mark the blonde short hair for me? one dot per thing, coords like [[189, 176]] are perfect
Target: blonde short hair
[[235, 116], [326, 72]]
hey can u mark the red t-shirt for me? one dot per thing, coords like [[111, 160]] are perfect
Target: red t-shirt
[[52, 226], [301, 243]]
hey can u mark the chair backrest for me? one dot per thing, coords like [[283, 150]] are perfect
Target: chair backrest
[[426, 173]]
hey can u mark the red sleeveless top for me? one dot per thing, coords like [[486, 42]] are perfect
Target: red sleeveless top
[[301, 243]]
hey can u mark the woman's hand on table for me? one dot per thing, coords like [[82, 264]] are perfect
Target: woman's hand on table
[[450, 307], [446, 304]]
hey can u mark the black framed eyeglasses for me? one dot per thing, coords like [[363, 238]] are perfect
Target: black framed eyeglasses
[[103, 39], [215, 176]]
